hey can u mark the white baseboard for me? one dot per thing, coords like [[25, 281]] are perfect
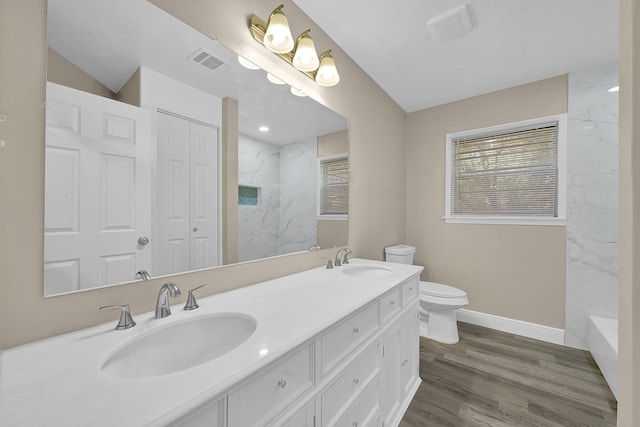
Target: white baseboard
[[512, 326]]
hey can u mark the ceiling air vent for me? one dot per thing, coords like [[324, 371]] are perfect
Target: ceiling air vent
[[452, 24], [206, 59]]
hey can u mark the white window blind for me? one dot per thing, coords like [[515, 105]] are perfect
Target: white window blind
[[334, 187], [506, 173]]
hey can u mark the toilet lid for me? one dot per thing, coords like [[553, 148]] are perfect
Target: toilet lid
[[440, 290]]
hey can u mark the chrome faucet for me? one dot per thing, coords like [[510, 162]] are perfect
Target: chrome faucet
[[143, 274], [162, 305], [345, 260]]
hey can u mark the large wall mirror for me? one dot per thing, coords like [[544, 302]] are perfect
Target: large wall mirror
[[133, 181]]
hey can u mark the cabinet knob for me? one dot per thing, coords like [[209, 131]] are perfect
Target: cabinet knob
[[355, 424], [356, 381], [282, 383], [392, 302], [356, 330]]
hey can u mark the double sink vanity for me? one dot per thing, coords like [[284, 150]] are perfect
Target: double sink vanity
[[324, 347]]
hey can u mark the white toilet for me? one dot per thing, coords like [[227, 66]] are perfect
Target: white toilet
[[438, 302]]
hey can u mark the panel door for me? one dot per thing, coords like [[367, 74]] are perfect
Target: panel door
[[171, 230], [204, 196], [389, 375], [409, 352], [186, 234], [97, 192]]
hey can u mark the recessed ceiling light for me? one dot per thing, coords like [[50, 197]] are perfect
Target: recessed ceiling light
[[614, 89], [263, 129], [247, 64], [273, 79]]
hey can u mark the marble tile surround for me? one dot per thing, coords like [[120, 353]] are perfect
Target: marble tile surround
[[298, 206], [592, 201], [284, 219]]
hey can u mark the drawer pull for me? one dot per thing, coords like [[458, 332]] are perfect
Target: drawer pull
[[282, 383], [356, 330], [410, 289], [404, 362], [392, 302], [356, 381]]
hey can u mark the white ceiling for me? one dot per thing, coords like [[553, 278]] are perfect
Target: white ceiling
[[111, 39], [513, 42]]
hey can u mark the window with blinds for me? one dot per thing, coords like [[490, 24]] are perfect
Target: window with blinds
[[506, 173], [334, 187]]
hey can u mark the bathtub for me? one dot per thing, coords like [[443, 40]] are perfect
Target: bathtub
[[602, 339]]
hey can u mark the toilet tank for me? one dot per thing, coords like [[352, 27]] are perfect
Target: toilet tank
[[401, 254]]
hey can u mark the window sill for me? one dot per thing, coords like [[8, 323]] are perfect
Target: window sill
[[506, 220], [332, 217]]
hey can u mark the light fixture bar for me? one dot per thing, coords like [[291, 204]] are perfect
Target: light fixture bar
[[258, 29]]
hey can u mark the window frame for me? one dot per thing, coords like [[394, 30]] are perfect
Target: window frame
[[561, 189], [321, 216]]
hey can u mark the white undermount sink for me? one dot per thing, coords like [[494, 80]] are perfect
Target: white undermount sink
[[180, 346], [366, 271]]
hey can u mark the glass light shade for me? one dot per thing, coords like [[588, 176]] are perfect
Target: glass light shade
[[327, 74], [273, 79], [297, 92], [278, 38], [306, 57], [247, 64]]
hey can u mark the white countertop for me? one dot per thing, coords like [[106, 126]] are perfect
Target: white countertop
[[58, 381]]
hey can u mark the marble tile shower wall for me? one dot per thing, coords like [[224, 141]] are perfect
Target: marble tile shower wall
[[592, 201], [298, 177], [284, 220], [258, 226]]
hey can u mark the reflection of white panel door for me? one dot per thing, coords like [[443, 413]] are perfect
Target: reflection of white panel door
[[187, 196], [97, 192]]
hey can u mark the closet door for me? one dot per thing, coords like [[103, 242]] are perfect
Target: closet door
[[186, 229], [203, 218], [171, 231]]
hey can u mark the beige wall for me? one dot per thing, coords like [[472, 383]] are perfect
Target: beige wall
[[130, 92], [628, 217], [376, 141], [63, 72], [511, 271]]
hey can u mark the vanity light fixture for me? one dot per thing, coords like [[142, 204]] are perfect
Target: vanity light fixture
[[305, 58], [276, 81], [247, 64], [297, 92], [278, 38], [301, 54]]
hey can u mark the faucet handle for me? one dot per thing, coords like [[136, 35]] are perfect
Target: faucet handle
[[329, 265], [192, 304], [345, 260], [126, 321]]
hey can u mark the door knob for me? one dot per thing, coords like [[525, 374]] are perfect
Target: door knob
[[143, 241]]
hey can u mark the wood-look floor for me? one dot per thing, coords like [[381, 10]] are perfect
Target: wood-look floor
[[495, 379]]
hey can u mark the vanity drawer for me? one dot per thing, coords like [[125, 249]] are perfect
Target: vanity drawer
[[268, 393], [343, 338], [389, 305], [364, 410], [410, 290], [349, 384]]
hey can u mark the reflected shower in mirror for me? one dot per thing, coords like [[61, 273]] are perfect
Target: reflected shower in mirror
[[135, 100]]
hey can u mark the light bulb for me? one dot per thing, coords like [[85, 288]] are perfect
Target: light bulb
[[278, 37], [306, 58]]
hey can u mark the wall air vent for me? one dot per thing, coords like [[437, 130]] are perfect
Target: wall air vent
[[206, 59]]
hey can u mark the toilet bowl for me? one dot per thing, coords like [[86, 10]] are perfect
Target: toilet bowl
[[438, 302]]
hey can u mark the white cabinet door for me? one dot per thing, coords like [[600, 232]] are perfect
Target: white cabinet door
[[409, 353], [98, 190], [210, 415], [389, 375]]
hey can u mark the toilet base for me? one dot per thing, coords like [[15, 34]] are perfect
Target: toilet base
[[439, 325]]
